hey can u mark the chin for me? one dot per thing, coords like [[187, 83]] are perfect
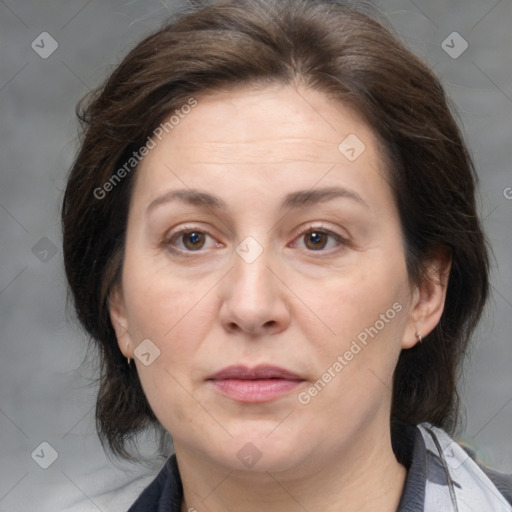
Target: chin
[[260, 450]]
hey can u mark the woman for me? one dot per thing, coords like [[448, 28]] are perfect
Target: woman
[[270, 233]]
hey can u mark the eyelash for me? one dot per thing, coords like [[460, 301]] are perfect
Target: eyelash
[[168, 242]]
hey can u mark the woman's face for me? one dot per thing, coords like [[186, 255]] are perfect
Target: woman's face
[[293, 260]]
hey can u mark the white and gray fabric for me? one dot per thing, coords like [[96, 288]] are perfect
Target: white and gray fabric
[[455, 482]]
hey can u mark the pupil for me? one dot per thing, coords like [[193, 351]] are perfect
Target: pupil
[[194, 239], [316, 237]]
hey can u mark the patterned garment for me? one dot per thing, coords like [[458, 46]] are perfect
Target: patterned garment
[[441, 477], [454, 481]]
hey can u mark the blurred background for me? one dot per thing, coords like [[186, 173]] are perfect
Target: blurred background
[[51, 54]]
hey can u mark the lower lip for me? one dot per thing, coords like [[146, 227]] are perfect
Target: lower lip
[[255, 390]]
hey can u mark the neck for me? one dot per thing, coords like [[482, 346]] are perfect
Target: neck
[[364, 476]]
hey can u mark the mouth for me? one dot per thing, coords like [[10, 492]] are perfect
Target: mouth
[[254, 385]]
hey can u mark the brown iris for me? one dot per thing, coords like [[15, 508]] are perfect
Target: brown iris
[[317, 237], [194, 238]]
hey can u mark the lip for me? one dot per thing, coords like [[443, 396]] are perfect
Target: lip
[[262, 383]]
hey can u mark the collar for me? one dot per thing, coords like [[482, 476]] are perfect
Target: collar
[[454, 481]]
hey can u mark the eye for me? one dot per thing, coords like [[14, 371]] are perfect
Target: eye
[[317, 238], [187, 240], [191, 239]]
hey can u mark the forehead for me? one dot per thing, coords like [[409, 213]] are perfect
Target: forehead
[[266, 122], [264, 137]]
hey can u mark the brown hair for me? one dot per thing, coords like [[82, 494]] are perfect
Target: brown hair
[[325, 45]]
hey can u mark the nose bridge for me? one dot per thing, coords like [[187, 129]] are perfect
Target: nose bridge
[[250, 296], [251, 275]]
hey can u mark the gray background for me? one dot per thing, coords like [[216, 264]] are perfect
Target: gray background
[[45, 393]]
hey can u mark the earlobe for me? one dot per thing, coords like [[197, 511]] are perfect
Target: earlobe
[[119, 321], [428, 300]]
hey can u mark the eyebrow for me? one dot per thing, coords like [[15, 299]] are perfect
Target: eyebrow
[[293, 200]]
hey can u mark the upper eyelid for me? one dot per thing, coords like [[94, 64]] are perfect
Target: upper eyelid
[[310, 227]]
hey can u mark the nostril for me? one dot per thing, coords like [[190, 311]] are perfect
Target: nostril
[[233, 326]]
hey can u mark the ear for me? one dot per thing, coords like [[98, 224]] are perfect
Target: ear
[[119, 320], [428, 298]]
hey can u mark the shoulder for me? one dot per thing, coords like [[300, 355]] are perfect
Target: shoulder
[[454, 465], [164, 493], [502, 481]]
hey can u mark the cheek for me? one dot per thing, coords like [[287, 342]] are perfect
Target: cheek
[[177, 324], [365, 309], [173, 403], [160, 302], [347, 302], [176, 317]]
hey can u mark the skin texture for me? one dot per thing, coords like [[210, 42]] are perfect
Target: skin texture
[[299, 305]]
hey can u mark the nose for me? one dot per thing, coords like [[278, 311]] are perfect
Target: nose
[[253, 297]]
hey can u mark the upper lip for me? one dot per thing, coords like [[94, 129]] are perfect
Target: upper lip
[[258, 372]]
